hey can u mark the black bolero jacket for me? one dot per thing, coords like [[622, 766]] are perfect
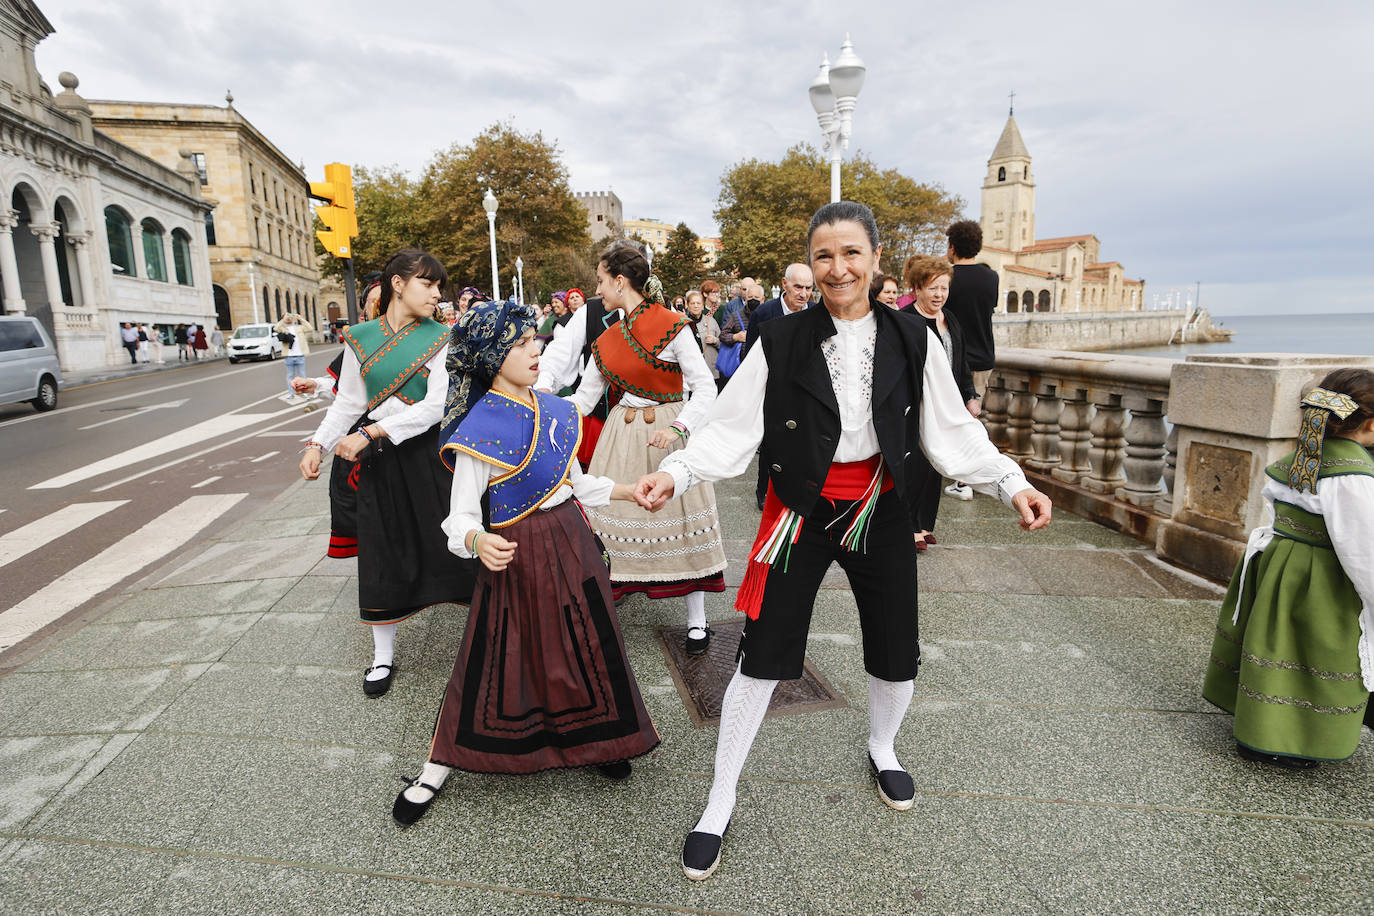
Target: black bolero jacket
[[963, 376]]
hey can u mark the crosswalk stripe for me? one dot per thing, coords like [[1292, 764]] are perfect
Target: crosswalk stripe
[[205, 483], [113, 565], [49, 528], [263, 457]]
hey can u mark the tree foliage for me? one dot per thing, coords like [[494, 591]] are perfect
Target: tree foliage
[[682, 263], [764, 209], [387, 208]]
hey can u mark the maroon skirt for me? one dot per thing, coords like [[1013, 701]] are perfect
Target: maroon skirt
[[541, 680]]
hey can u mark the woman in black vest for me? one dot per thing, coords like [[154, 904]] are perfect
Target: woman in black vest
[[845, 398]]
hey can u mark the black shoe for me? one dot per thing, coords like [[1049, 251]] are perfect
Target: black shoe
[[382, 684], [617, 771], [701, 854], [1278, 760], [895, 787], [406, 812], [697, 645], [759, 501]]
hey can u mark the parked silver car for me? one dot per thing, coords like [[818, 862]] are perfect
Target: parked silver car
[[28, 363]]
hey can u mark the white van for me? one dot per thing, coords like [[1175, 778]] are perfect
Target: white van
[[254, 341], [28, 363]]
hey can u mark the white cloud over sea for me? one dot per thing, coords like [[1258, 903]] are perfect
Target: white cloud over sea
[[1218, 142]]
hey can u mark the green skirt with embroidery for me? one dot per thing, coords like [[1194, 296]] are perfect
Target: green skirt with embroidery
[[1289, 668]]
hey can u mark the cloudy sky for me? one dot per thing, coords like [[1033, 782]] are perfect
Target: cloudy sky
[[1223, 142]]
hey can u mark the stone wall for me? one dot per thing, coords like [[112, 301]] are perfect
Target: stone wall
[[1085, 330]]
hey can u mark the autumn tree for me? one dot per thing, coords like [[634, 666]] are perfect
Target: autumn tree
[[682, 263], [764, 209], [387, 220]]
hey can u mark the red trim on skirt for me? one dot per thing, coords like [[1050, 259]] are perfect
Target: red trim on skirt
[[712, 583], [341, 547]]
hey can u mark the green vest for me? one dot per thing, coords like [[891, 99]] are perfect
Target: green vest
[[1339, 458], [394, 364]]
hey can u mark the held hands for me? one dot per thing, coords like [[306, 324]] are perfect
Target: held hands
[[654, 490], [494, 551], [1035, 508], [662, 438], [303, 385], [310, 464]]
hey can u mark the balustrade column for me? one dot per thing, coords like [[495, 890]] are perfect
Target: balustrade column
[[1044, 437], [1074, 436], [80, 242], [994, 415], [1165, 503], [1144, 461], [9, 264], [1019, 419], [1106, 453], [47, 251]]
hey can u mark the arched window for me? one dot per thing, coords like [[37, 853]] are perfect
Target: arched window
[[209, 227], [266, 306], [1046, 302], [1002, 173], [223, 319], [1026, 173], [121, 238], [1028, 301], [153, 258], [181, 256], [1012, 301], [278, 298]]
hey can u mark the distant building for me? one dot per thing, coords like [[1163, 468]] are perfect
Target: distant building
[[710, 250], [93, 234], [603, 210], [652, 231], [262, 245], [1059, 274]]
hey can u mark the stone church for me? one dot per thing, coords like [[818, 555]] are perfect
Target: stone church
[[92, 232], [1064, 274]]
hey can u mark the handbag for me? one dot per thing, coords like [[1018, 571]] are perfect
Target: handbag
[[728, 361]]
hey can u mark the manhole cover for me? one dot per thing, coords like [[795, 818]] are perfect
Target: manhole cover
[[701, 679]]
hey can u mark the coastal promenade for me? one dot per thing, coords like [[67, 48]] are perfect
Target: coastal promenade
[[201, 745]]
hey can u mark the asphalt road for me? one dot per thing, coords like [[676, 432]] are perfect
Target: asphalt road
[[133, 471]]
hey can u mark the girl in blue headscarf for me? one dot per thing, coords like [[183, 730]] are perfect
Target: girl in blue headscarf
[[542, 679]]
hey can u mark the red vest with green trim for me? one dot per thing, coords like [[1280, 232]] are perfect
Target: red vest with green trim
[[393, 363], [627, 354]]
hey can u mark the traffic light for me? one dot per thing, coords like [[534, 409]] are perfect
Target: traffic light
[[338, 213]]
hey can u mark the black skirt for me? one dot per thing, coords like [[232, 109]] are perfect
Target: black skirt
[[404, 564], [343, 502]]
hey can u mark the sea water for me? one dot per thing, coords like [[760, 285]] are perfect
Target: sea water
[[1346, 334]]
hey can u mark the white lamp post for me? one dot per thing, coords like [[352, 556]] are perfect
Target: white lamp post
[[834, 93], [520, 279], [489, 203]]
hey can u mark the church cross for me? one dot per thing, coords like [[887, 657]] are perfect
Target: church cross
[[1011, 106]]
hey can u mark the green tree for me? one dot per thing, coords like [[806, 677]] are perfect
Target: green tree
[[682, 263], [387, 209], [764, 209], [538, 218]]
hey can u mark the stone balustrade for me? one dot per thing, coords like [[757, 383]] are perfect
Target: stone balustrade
[[1090, 429]]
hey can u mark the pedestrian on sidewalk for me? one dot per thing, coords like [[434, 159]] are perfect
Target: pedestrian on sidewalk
[[217, 340], [200, 344], [183, 343], [1293, 655], [291, 331], [972, 301], [142, 343], [191, 331], [155, 339], [128, 338], [403, 487], [841, 398], [557, 691]]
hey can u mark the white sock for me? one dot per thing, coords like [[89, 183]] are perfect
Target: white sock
[[746, 701], [434, 775], [696, 609], [887, 704], [383, 648]]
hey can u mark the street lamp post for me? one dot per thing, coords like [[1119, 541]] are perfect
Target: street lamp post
[[834, 93], [489, 203], [520, 280]]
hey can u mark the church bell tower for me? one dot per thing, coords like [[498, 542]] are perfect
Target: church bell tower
[[1009, 193]]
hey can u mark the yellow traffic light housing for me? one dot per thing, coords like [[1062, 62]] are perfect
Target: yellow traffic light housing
[[338, 213]]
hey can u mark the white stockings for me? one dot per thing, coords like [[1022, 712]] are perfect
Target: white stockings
[[746, 701], [383, 648], [887, 704], [696, 610]]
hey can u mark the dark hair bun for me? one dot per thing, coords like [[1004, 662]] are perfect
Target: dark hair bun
[[624, 258]]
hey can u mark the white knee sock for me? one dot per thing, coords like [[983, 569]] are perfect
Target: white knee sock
[[383, 647], [434, 775], [887, 704], [696, 609], [746, 701]]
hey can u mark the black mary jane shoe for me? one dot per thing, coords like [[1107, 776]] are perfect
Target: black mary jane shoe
[[1278, 760], [381, 685], [406, 812], [696, 646], [895, 787], [701, 854], [618, 770]]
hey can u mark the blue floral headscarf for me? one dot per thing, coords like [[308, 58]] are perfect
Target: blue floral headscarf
[[478, 345]]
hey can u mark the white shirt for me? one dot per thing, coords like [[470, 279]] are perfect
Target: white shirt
[[956, 443], [471, 477], [1346, 504], [561, 362], [400, 420]]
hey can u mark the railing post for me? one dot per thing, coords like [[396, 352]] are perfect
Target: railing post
[[1106, 453], [1019, 419], [1165, 503], [1145, 451], [1044, 437], [1074, 436], [995, 404]]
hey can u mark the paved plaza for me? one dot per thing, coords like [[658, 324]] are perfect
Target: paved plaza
[[201, 744]]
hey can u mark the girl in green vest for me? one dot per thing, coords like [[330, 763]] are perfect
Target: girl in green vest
[[1293, 655]]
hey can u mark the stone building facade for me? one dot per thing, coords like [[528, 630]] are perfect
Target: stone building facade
[[93, 233], [261, 239], [604, 211], [1043, 275]]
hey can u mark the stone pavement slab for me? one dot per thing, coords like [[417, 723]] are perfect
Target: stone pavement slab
[[205, 747]]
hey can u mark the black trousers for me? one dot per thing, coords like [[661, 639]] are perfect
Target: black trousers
[[882, 576], [927, 487]]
